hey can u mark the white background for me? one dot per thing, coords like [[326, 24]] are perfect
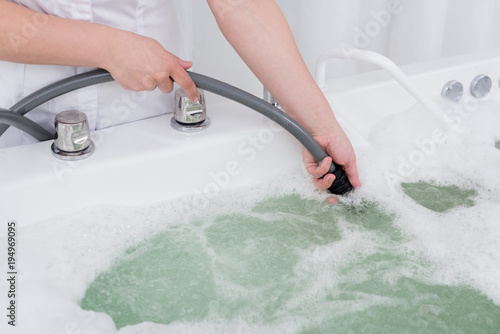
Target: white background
[[423, 30]]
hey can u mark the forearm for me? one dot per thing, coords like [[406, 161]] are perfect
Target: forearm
[[29, 37], [259, 33], [136, 62]]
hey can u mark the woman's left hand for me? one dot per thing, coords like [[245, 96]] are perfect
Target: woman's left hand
[[338, 147]]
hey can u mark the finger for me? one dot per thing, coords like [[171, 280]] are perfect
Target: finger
[[311, 164], [316, 170], [149, 83], [324, 182], [351, 170], [166, 86], [185, 64], [180, 76], [332, 200]]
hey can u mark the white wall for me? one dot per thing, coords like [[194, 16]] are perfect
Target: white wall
[[416, 31], [210, 52]]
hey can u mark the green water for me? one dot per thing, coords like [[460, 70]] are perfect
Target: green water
[[259, 266], [497, 144], [439, 198]]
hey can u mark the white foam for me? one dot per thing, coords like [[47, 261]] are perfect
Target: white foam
[[60, 258], [462, 244]]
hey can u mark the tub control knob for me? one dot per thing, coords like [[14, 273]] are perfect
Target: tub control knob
[[453, 91], [481, 86], [72, 140], [189, 116]]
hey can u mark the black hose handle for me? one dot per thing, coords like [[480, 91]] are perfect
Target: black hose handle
[[341, 184]]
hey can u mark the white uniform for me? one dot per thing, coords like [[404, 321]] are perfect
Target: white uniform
[[106, 104]]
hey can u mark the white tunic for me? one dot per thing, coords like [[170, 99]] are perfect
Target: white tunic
[[106, 104]]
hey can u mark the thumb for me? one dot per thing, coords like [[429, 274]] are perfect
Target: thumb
[[185, 64]]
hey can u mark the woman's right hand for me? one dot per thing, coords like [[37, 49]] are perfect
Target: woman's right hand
[[141, 63], [135, 62]]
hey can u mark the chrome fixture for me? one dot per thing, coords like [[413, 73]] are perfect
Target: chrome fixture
[[270, 99], [382, 62], [189, 116], [480, 86], [72, 140], [453, 91]]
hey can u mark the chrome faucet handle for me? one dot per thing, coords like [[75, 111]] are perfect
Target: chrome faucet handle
[[187, 111], [72, 140], [189, 116]]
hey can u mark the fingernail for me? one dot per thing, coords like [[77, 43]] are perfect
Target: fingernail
[[196, 98]]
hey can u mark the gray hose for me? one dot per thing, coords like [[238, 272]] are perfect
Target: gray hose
[[340, 186], [25, 124], [263, 107], [54, 90]]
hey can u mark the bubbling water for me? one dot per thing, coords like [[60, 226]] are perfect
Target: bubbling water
[[280, 259]]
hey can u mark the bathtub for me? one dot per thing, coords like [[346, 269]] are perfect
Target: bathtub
[[64, 213]]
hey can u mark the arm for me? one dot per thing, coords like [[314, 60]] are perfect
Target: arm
[[259, 33], [29, 37]]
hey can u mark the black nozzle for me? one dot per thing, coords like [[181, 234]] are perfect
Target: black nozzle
[[341, 184]]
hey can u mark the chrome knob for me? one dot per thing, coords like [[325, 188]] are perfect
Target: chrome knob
[[453, 91], [187, 111], [189, 116], [480, 86], [72, 140]]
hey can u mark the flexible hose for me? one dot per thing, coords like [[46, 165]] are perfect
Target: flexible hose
[[56, 89], [341, 184], [25, 124]]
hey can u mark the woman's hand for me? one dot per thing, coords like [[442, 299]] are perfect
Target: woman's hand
[[339, 147], [135, 62], [259, 33], [140, 63]]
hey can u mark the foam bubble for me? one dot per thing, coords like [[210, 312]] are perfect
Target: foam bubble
[[338, 269]]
